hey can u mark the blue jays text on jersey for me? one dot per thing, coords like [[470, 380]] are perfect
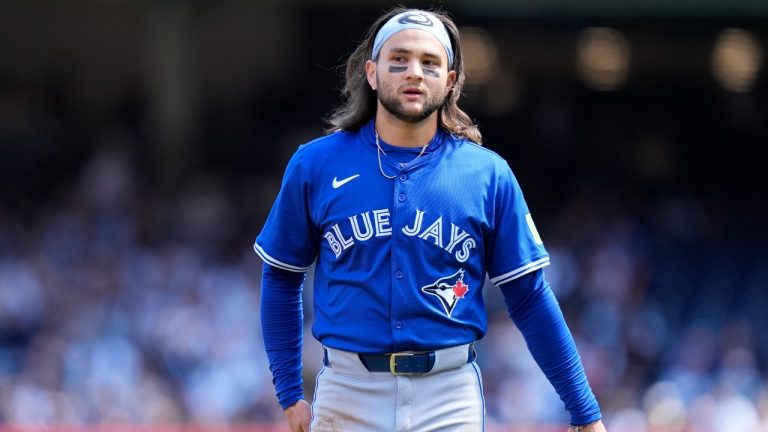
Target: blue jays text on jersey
[[400, 262], [433, 233]]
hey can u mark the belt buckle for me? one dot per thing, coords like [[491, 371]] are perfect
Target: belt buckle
[[393, 363]]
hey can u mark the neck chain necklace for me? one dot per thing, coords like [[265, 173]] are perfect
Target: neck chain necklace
[[379, 151]]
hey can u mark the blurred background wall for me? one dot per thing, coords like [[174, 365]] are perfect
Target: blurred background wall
[[142, 144]]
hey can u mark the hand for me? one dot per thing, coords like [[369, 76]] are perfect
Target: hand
[[298, 416], [592, 427]]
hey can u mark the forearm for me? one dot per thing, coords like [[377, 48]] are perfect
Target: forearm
[[535, 311], [282, 327]]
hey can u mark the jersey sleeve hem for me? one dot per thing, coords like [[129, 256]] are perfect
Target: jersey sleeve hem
[[520, 271], [277, 263]]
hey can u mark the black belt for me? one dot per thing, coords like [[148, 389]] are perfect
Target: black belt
[[405, 363]]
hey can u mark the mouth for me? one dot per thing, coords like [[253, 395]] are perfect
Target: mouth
[[412, 93]]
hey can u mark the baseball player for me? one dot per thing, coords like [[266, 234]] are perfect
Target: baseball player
[[404, 215]]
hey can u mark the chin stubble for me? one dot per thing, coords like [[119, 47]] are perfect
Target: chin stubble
[[395, 107]]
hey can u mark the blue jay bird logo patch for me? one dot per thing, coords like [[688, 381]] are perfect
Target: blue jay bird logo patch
[[448, 290]]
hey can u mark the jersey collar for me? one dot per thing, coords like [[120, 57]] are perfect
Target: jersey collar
[[434, 147]]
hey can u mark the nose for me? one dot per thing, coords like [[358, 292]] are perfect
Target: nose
[[415, 71]]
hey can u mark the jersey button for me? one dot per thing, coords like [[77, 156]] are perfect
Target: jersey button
[[403, 177], [398, 324], [399, 274], [401, 197]]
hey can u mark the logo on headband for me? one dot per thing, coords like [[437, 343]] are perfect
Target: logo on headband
[[416, 18]]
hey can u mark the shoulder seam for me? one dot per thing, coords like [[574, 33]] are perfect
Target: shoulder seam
[[480, 147]]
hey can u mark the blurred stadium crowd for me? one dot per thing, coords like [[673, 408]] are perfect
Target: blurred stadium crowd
[[121, 304], [125, 302]]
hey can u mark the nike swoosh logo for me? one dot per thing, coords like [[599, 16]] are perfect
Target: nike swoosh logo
[[339, 183]]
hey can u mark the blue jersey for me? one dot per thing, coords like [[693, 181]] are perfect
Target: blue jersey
[[400, 263]]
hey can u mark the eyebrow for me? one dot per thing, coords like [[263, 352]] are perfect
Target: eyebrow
[[401, 50]]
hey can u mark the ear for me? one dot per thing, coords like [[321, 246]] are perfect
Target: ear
[[370, 73], [451, 80]]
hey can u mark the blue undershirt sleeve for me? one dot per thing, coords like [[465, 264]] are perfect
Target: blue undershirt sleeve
[[282, 329], [535, 311]]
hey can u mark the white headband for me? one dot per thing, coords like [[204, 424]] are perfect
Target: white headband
[[413, 19]]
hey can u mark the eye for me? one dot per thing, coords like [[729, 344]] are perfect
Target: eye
[[398, 59], [431, 63]]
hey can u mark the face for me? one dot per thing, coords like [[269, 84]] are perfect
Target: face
[[411, 76]]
